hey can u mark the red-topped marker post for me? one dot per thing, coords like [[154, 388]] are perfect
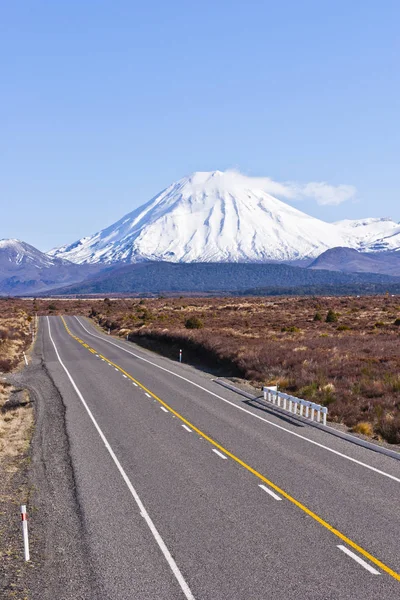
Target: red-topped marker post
[[24, 519]]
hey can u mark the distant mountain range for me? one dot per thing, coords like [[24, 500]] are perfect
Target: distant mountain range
[[26, 270], [218, 219], [348, 260]]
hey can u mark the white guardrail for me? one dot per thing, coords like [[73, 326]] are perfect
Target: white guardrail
[[296, 406]]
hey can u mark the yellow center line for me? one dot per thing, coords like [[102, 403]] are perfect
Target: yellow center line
[[288, 497]]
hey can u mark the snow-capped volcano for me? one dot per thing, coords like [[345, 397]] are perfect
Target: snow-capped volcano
[[209, 217]]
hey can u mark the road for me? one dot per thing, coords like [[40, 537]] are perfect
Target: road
[[187, 490]]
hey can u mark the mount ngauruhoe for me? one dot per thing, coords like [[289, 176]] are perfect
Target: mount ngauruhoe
[[223, 217]]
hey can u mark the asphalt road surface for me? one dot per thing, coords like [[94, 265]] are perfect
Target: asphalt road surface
[[188, 491]]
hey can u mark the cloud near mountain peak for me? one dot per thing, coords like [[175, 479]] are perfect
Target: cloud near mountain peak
[[320, 191]]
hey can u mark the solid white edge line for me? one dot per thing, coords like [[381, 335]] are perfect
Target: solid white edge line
[[162, 407], [270, 492], [220, 454], [163, 547], [187, 428], [359, 560], [354, 460]]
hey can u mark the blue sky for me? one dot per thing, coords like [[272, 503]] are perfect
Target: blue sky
[[105, 103]]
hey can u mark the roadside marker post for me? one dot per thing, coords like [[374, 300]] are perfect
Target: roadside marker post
[[180, 355], [25, 532], [25, 359]]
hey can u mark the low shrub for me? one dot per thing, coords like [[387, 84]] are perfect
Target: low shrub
[[331, 317], [364, 428], [389, 428], [194, 323], [5, 365]]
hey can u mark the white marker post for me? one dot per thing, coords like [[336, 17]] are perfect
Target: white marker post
[[180, 355], [25, 359], [25, 532]]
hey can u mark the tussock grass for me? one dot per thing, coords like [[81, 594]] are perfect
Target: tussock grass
[[15, 426], [364, 428]]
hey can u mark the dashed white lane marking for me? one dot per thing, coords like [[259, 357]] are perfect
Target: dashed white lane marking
[[161, 544], [187, 428], [310, 441], [270, 492], [164, 409], [135, 384], [124, 376], [148, 395], [97, 355], [359, 560], [116, 369], [220, 454]]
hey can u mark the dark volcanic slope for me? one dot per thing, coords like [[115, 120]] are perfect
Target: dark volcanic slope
[[351, 261], [159, 277]]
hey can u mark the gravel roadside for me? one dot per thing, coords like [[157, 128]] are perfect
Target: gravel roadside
[[60, 564]]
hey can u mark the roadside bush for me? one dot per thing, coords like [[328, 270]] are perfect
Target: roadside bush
[[194, 323], [5, 365], [389, 428], [331, 317]]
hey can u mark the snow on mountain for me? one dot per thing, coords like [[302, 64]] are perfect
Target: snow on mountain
[[14, 252], [371, 235], [209, 217], [24, 269]]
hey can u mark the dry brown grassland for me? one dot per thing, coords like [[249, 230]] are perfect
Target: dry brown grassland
[[16, 423], [351, 364]]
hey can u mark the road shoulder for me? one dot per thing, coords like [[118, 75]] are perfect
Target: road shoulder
[[60, 561]]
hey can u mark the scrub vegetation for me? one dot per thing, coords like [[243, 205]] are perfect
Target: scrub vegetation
[[343, 352]]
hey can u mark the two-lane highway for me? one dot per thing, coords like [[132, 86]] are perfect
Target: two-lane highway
[[187, 491]]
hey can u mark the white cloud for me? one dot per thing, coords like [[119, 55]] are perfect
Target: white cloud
[[320, 191]]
